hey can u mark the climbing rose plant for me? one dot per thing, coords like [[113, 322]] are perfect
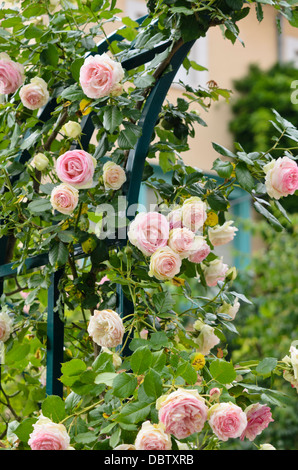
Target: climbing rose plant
[[159, 378]]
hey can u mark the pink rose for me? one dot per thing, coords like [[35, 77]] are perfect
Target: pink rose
[[76, 167], [64, 198], [106, 328], [227, 420], [201, 250], [11, 75], [194, 213], [34, 95], [183, 413], [100, 76], [5, 326], [281, 177], [175, 218], [153, 437], [222, 234], [181, 240], [164, 264], [215, 271], [148, 232], [258, 418], [47, 435], [113, 176]]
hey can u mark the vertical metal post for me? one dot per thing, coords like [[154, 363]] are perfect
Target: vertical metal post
[[55, 340]]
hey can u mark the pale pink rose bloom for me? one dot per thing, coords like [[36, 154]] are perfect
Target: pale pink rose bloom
[[113, 176], [207, 338], [175, 218], [164, 264], [230, 309], [34, 95], [194, 213], [281, 177], [201, 250], [222, 234], [227, 420], [5, 326], [11, 75], [258, 418], [148, 232], [64, 198], [47, 435], [181, 240], [125, 447], [183, 413], [100, 76], [215, 271], [76, 167], [153, 437], [106, 328]]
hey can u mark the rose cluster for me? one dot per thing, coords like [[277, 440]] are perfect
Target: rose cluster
[[167, 240], [185, 412]]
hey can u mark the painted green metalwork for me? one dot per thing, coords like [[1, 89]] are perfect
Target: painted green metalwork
[[134, 171]]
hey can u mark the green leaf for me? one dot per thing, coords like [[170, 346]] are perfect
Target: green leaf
[[38, 206], [266, 366], [106, 378], [112, 118], [222, 371], [73, 367], [223, 168], [217, 201], [72, 93], [140, 360], [58, 254], [187, 372], [53, 408], [134, 412], [24, 429], [270, 217], [29, 141], [128, 137], [75, 68], [163, 302], [153, 384], [124, 385], [50, 55], [244, 177], [223, 151]]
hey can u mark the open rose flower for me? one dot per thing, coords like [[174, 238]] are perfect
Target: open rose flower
[[11, 75], [125, 447], [153, 437], [207, 339], [182, 412], [181, 240], [281, 177], [148, 232], [222, 234], [64, 198], [194, 213], [47, 435], [34, 95], [201, 250], [5, 326], [106, 328], [113, 176], [175, 218], [76, 167], [100, 76], [215, 271], [227, 420], [258, 418], [164, 264]]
